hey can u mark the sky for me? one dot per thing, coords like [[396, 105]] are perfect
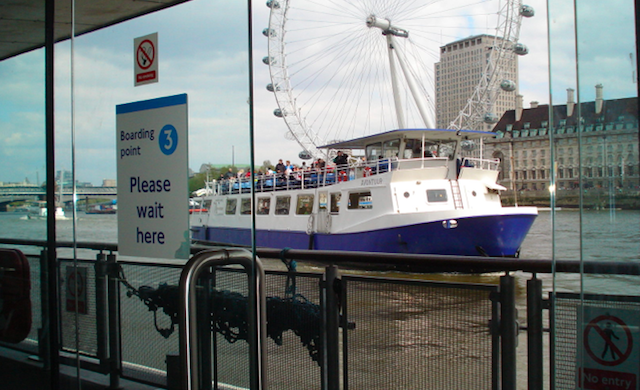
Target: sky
[[203, 51]]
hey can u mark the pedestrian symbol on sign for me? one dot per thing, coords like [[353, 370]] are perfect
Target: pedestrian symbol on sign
[[607, 351], [607, 335]]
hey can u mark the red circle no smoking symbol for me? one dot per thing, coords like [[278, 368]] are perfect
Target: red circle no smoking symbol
[[145, 54], [602, 336]]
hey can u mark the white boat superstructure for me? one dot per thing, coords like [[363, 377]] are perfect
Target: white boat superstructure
[[409, 193]]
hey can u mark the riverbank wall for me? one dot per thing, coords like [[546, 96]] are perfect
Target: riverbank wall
[[593, 198]]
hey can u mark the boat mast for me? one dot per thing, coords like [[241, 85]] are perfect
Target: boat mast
[[391, 32]]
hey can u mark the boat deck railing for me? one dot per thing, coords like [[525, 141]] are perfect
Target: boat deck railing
[[315, 178]]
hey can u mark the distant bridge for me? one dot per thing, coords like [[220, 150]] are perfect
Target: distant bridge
[[10, 194], [21, 191]]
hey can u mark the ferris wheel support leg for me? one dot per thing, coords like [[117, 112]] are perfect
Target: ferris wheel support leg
[[394, 83], [417, 96]]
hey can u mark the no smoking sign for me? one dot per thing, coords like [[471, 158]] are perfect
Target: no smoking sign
[[608, 350], [146, 59]]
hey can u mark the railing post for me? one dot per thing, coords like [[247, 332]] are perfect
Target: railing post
[[44, 341], [102, 316], [113, 296], [508, 331], [331, 320], [534, 333], [256, 317]]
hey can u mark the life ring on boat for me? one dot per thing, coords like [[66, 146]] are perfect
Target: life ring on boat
[[15, 296], [366, 172], [342, 176]]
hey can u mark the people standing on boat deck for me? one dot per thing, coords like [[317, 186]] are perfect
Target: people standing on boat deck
[[321, 164], [229, 174], [280, 168], [341, 159], [341, 162]]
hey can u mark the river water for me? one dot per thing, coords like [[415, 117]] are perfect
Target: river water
[[606, 235]]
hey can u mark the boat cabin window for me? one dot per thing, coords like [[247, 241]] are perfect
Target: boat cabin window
[[231, 206], [304, 205], [322, 201], [413, 149], [374, 151], [335, 202], [391, 148], [263, 206], [245, 206], [283, 204], [447, 149], [360, 200], [380, 150], [434, 196]]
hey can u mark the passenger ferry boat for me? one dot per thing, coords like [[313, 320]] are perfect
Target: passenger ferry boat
[[411, 192]]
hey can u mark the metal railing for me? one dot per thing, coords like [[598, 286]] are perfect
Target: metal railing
[[330, 175], [189, 329], [113, 348]]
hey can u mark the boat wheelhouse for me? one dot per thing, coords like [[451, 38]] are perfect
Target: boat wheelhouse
[[406, 191]]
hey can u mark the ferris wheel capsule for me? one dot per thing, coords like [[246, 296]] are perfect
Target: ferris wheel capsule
[[520, 49], [527, 11], [305, 155], [268, 60], [268, 32], [508, 85], [273, 4], [271, 88], [279, 113], [490, 117]]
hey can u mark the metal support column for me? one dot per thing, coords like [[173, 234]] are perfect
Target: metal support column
[[331, 322], [508, 331], [534, 333], [53, 319], [113, 296]]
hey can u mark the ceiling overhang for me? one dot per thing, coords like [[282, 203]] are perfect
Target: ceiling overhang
[[22, 21]]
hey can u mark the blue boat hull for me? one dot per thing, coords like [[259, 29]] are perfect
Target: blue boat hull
[[495, 235]]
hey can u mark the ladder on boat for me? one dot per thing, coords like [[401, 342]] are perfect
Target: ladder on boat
[[457, 196]]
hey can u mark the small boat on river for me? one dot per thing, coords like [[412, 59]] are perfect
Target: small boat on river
[[38, 210], [410, 191]]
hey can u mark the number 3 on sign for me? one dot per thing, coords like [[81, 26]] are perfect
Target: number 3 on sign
[[168, 139]]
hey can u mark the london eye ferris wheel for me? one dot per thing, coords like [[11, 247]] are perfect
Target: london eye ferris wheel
[[343, 69]]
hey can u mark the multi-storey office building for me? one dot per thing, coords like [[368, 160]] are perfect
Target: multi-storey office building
[[462, 66], [606, 138]]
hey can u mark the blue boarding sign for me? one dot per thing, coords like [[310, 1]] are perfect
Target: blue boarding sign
[[152, 162]]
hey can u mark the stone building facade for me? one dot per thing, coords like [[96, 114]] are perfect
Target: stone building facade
[[602, 148]]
